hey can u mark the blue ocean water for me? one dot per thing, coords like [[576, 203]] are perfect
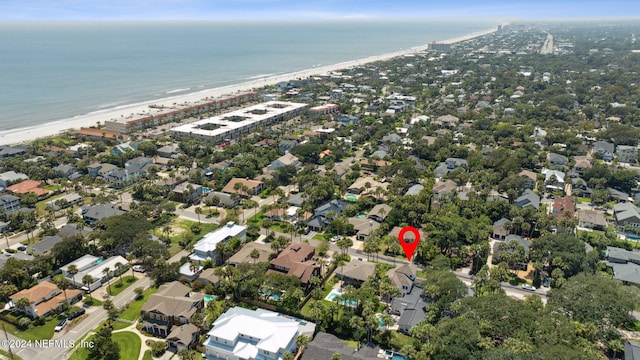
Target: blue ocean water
[[51, 71]]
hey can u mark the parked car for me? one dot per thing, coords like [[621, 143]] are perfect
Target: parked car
[[22, 248], [61, 325], [545, 282], [139, 268], [528, 287], [76, 314], [334, 239]]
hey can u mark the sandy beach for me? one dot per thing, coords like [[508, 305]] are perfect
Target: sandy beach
[[24, 135]]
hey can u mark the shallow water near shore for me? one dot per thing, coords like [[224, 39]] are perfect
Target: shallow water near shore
[[54, 71]]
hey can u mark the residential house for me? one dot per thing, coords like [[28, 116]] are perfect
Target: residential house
[[284, 160], [626, 214], [44, 246], [530, 178], [592, 219], [618, 196], [444, 189], [563, 206], [374, 164], [363, 227], [208, 276], [9, 203], [403, 277], [99, 212], [71, 230], [65, 201], [101, 169], [95, 267], [626, 154], [408, 236], [28, 186], [528, 198], [285, 146], [321, 214], [508, 239], [379, 212], [297, 260], [224, 200], [17, 256], [414, 190], [12, 151], [173, 305], [261, 334], [366, 185], [44, 298], [205, 248], [554, 180], [448, 165], [582, 163], [244, 254], [189, 272], [355, 272], [183, 337], [411, 309], [499, 229], [11, 177], [324, 345], [65, 170], [187, 192], [557, 160], [124, 147], [605, 149], [625, 264], [449, 121], [254, 187], [169, 151], [631, 350]]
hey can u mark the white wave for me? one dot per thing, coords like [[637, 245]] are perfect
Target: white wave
[[259, 76], [177, 91]]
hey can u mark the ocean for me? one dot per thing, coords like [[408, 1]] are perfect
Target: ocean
[[52, 71]]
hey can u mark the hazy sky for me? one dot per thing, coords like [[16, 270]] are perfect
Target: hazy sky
[[309, 9]]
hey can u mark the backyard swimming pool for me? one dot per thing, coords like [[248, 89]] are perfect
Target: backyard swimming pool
[[335, 293]]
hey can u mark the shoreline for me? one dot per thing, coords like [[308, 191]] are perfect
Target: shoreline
[[27, 134]]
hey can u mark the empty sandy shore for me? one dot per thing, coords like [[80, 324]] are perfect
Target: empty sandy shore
[[24, 135]]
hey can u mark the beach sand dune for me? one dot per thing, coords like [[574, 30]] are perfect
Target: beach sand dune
[[23, 135]]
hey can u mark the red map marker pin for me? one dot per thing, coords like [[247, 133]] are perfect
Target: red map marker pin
[[409, 247]]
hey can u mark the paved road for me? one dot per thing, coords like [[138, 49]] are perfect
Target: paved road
[[15, 240], [547, 47]]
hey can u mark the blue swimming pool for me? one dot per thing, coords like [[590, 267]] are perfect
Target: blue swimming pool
[[394, 356], [208, 298], [334, 294]]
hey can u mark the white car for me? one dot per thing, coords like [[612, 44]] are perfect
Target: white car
[[528, 287], [334, 239], [139, 268], [61, 325]]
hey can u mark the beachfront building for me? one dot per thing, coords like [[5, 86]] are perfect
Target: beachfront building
[[440, 47], [254, 334], [233, 124], [158, 115]]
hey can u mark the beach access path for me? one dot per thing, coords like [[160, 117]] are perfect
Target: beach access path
[[26, 134]]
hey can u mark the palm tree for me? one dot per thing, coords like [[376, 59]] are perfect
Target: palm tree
[[198, 211], [73, 270], [88, 280], [131, 258], [106, 272], [194, 267], [255, 254], [62, 283], [118, 266], [23, 303]]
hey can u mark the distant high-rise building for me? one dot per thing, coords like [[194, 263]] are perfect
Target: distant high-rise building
[[499, 28], [434, 46]]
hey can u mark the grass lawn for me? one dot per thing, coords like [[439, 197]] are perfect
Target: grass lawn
[[118, 325], [584, 200], [92, 301], [398, 340], [117, 286], [133, 311], [41, 332], [186, 226], [352, 344], [130, 344], [147, 355], [6, 353]]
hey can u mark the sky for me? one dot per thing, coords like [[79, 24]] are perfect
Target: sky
[[53, 10]]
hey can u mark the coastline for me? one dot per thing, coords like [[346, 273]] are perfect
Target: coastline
[[28, 134]]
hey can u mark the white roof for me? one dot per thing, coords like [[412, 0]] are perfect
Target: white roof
[[96, 271], [249, 115], [81, 262], [273, 331], [208, 242], [185, 269]]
